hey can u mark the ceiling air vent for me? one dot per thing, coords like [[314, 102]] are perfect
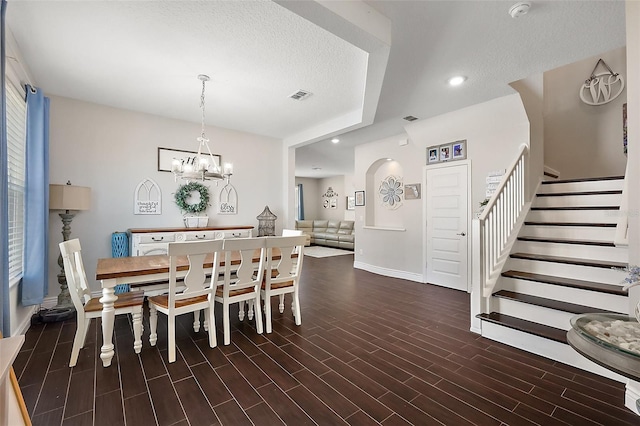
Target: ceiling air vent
[[410, 118], [300, 95]]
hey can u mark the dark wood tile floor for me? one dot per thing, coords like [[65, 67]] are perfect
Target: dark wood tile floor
[[371, 350]]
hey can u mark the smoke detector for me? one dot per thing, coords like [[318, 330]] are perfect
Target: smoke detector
[[519, 9]]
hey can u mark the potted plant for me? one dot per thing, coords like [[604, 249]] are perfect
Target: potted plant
[[190, 205]]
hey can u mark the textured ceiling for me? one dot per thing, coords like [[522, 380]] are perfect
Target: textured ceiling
[[145, 56]]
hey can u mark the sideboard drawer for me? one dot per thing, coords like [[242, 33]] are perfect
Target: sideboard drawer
[[234, 233], [161, 237], [196, 236]]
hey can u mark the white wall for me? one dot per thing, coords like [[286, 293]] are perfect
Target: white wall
[[314, 201], [311, 197], [111, 150], [583, 140], [336, 183], [494, 131], [397, 252]]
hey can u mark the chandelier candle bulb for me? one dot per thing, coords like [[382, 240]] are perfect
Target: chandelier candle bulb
[[228, 168]]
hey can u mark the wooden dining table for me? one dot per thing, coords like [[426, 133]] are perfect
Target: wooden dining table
[[139, 270]]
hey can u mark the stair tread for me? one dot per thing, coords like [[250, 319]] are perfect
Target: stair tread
[[567, 241], [534, 328], [583, 180], [563, 194], [566, 282], [549, 303], [578, 208], [569, 260], [603, 225]]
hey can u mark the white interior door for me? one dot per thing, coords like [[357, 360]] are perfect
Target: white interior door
[[447, 238]]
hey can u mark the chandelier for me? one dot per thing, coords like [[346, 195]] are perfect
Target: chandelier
[[203, 166]]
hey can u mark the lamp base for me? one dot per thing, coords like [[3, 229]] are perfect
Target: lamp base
[[56, 314]]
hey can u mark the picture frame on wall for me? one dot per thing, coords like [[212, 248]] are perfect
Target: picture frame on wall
[[412, 191], [359, 198], [459, 150], [351, 202], [432, 155], [445, 152]]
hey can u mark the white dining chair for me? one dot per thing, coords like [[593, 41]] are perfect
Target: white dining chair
[[192, 294], [241, 281], [88, 307], [282, 275]]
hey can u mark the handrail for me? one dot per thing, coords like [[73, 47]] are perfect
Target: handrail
[[495, 225]]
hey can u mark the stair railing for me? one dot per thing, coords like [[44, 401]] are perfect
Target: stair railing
[[493, 230]]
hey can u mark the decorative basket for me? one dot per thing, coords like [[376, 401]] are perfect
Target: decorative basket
[[196, 221]]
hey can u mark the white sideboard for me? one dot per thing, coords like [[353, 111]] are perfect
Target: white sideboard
[[145, 242]]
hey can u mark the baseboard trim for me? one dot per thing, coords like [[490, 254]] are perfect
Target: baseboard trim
[[26, 323], [393, 273]]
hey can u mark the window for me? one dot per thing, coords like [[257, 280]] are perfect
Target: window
[[16, 142]]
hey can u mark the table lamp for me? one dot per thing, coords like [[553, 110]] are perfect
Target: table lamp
[[71, 199]]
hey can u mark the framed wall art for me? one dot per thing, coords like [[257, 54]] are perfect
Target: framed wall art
[[351, 202], [459, 150], [167, 155], [447, 152], [359, 198], [432, 155], [412, 191]]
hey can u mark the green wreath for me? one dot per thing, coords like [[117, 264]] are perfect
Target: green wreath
[[184, 193]]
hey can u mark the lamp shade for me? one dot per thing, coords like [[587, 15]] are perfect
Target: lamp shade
[[69, 197]]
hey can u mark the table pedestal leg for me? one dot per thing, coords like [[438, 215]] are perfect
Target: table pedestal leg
[[108, 315]]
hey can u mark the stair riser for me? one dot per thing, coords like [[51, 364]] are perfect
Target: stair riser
[[599, 185], [609, 302], [547, 348], [578, 201], [614, 254], [533, 313], [576, 216], [564, 270], [593, 233]]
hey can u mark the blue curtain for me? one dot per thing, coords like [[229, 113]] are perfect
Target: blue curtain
[[300, 203], [5, 312], [35, 280]]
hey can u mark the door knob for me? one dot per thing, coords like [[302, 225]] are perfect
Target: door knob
[[461, 234]]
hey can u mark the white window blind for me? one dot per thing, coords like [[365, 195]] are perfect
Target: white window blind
[[16, 142]]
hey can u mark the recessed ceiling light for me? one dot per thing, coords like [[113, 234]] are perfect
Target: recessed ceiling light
[[335, 140], [457, 80]]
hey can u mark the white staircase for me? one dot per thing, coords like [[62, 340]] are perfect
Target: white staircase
[[560, 266]]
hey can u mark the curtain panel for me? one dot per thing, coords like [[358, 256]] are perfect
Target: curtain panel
[[300, 203], [35, 280]]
